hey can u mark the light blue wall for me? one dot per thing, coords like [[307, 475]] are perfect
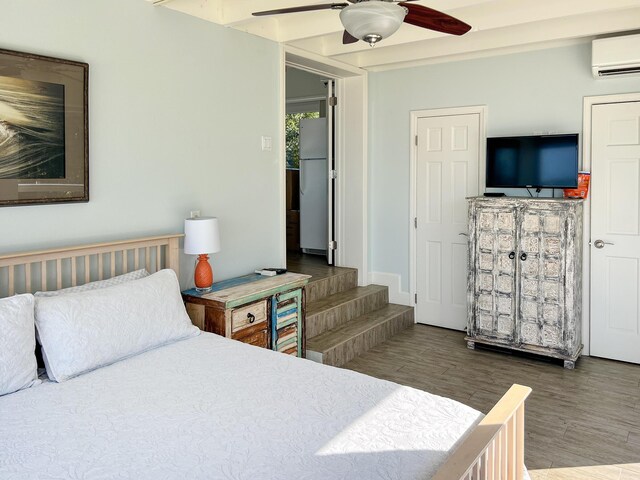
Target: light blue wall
[[177, 107], [526, 93]]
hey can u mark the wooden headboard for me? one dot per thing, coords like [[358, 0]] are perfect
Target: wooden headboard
[[68, 267]]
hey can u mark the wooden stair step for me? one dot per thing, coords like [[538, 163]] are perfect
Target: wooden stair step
[[343, 343], [335, 280], [340, 308]]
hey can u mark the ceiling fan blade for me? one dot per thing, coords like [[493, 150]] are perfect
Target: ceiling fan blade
[[426, 17], [306, 8], [348, 38]]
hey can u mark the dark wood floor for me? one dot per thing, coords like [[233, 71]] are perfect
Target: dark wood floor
[[582, 423], [314, 265]]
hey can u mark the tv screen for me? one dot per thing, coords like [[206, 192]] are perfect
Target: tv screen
[[544, 161]]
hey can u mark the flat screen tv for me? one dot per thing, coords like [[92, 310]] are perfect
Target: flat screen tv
[[540, 161]]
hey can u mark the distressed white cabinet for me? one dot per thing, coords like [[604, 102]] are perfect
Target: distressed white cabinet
[[525, 275]]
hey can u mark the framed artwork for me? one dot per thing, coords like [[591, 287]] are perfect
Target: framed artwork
[[44, 131]]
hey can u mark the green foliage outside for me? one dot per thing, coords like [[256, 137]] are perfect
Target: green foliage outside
[[292, 130]]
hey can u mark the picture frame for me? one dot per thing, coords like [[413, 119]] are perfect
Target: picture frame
[[44, 129]]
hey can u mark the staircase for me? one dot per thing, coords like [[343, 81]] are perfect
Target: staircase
[[344, 320]]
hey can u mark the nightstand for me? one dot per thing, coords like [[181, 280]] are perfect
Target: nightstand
[[268, 312]]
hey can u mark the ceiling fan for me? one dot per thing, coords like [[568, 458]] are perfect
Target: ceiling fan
[[373, 20]]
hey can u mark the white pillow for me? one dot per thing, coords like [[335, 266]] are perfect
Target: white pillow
[[80, 332], [109, 282], [18, 368]]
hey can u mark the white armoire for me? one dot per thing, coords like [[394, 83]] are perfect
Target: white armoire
[[525, 275]]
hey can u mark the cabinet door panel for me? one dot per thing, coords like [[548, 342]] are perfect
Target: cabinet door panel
[[529, 243], [529, 332], [541, 275], [494, 288], [552, 336], [286, 326]]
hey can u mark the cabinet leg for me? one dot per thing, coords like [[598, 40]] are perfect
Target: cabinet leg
[[471, 345], [569, 364]]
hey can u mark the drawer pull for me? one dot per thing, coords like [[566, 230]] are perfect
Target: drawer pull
[[251, 317]]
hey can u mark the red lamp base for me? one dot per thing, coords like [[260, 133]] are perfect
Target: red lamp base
[[203, 276]]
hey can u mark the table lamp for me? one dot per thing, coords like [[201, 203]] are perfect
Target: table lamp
[[201, 237]]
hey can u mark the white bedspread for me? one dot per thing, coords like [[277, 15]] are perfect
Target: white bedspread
[[212, 408]]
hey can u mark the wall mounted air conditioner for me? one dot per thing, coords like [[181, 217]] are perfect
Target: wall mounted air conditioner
[[615, 56]]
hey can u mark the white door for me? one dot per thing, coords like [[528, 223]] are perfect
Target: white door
[[331, 169], [615, 231], [447, 173]]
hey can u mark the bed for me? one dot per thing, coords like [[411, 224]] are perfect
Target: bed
[[206, 407]]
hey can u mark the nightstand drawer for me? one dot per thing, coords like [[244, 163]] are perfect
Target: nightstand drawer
[[248, 316], [259, 339]]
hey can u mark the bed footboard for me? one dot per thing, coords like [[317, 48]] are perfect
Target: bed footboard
[[494, 450]]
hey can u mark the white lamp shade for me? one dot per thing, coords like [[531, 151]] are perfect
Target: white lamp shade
[[201, 235], [374, 18]]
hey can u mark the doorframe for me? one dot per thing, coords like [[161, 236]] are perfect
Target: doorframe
[[482, 112], [588, 103], [350, 210]]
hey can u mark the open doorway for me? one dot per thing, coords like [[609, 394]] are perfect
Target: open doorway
[[310, 168], [350, 150]]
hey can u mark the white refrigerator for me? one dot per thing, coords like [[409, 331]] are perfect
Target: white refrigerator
[[313, 186]]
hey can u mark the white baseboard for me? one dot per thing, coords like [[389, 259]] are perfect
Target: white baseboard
[[394, 282]]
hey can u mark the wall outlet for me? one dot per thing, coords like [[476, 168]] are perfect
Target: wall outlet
[[266, 144], [194, 213]]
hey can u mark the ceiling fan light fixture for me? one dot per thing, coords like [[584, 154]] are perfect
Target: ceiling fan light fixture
[[371, 21]]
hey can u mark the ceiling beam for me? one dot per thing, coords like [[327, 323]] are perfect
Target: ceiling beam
[[546, 31], [481, 18], [240, 11], [206, 9], [318, 64], [296, 25]]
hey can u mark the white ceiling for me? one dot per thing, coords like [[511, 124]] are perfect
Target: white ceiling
[[499, 26]]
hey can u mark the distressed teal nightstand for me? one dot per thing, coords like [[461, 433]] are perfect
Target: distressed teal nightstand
[[268, 312]]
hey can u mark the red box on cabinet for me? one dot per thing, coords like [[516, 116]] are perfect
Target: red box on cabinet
[[583, 187]]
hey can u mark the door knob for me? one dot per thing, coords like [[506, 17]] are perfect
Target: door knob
[[601, 243]]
